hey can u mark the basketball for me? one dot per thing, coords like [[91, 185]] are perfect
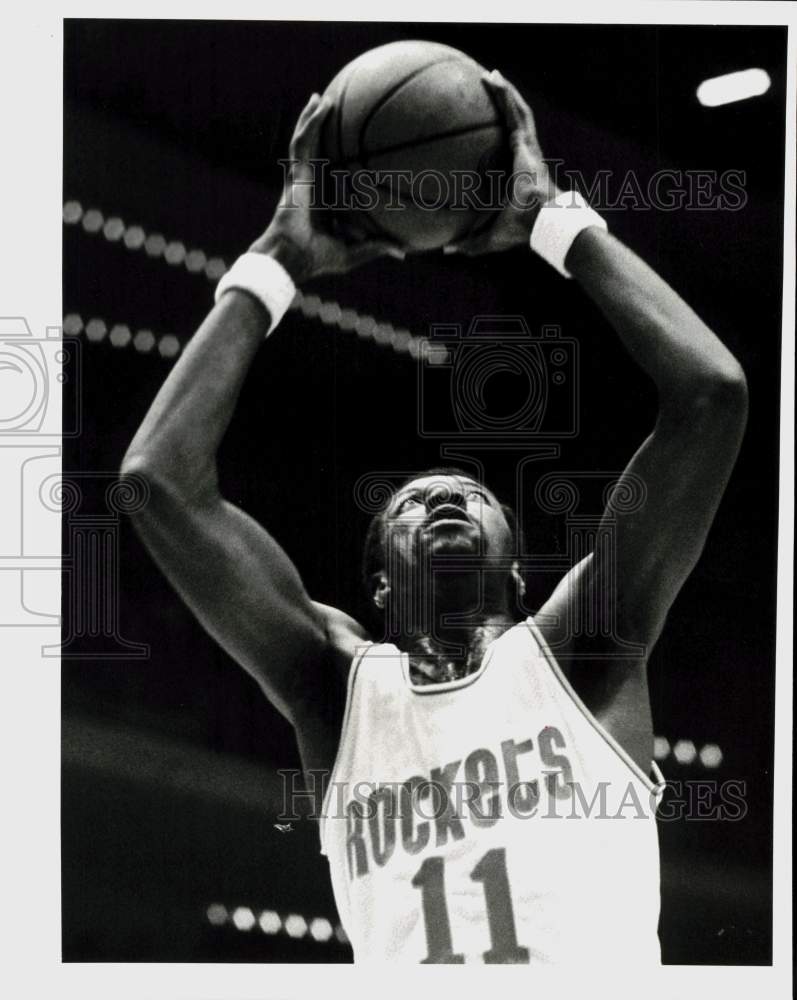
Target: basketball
[[419, 142]]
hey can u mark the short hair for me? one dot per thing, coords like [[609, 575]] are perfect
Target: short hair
[[374, 547]]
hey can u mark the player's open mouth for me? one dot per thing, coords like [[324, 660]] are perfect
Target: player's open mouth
[[449, 525], [450, 517], [443, 522]]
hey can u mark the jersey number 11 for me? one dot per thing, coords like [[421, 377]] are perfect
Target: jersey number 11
[[491, 872]]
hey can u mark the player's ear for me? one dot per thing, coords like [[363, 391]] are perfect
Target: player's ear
[[379, 589], [520, 583]]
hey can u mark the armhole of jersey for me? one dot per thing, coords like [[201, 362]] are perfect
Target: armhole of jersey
[[342, 742], [655, 787], [659, 781]]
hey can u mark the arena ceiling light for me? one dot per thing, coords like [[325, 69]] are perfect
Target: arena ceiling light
[[243, 918], [732, 87]]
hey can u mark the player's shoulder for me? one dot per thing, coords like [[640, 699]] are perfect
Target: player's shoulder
[[555, 616], [319, 714], [345, 635]]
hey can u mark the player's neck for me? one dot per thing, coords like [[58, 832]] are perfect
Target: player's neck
[[454, 651], [437, 628]]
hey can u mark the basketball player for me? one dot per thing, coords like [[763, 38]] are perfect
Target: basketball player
[[492, 795]]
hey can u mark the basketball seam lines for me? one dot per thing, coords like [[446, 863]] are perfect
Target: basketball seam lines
[[363, 158], [450, 134], [381, 229], [390, 94]]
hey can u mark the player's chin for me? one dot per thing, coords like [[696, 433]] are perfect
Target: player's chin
[[453, 535]]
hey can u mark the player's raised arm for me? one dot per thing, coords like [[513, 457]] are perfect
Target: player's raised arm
[[685, 463], [234, 576]]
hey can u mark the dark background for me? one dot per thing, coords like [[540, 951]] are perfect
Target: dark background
[[170, 790]]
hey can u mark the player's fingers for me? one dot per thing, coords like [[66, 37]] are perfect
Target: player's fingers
[[522, 111], [357, 237], [307, 111], [304, 143], [471, 247], [361, 253], [513, 113], [300, 147], [496, 84], [516, 111]]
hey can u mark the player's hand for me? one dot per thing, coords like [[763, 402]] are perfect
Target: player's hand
[[295, 236], [530, 184]]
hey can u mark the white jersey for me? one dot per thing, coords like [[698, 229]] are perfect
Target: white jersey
[[490, 819]]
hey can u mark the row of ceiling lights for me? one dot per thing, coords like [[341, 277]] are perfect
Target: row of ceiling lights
[[294, 925], [196, 261]]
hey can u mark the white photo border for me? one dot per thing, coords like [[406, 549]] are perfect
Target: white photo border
[[31, 64]]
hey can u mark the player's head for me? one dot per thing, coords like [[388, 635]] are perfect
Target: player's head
[[443, 511]]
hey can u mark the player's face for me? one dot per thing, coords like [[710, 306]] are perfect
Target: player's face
[[447, 514]]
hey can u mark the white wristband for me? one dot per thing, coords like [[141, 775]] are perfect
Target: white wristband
[[558, 223], [263, 277]]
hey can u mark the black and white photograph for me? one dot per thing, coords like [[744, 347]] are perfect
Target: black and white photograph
[[399, 501]]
